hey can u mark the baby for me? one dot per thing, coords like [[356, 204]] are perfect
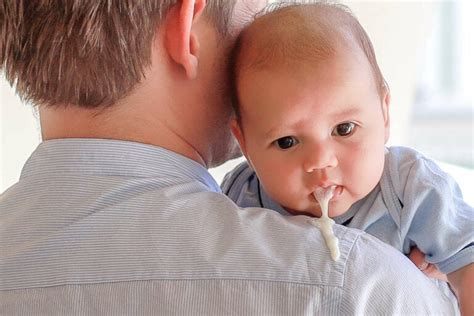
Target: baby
[[312, 111]]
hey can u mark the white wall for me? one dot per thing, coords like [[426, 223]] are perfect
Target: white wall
[[19, 134], [397, 30]]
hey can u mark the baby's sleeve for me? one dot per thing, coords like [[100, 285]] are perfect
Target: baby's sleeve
[[434, 216], [241, 186]]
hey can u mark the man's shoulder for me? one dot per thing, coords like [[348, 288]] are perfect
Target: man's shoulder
[[195, 242], [272, 241], [193, 233]]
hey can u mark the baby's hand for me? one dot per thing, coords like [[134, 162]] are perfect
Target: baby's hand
[[429, 269]]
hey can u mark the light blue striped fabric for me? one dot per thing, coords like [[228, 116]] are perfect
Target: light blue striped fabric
[[103, 227]]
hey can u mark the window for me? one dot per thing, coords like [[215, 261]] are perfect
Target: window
[[441, 120]]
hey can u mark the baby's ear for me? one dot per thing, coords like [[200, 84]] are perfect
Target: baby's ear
[[386, 113], [238, 134]]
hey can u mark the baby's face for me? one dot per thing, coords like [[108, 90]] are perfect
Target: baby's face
[[314, 126]]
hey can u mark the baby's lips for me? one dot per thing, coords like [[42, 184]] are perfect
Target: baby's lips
[[337, 191], [324, 193]]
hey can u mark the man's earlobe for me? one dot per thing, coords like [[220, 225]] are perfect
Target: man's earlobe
[[238, 134], [181, 41]]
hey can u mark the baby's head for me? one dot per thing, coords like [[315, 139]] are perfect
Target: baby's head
[[311, 104]]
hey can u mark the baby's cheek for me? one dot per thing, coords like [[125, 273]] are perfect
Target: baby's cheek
[[286, 183], [368, 170], [286, 191]]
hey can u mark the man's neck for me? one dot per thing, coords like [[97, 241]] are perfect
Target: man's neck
[[113, 123]]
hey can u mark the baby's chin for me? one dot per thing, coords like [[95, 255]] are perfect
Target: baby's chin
[[335, 209], [310, 213]]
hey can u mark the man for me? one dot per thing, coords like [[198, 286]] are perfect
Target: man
[[115, 211]]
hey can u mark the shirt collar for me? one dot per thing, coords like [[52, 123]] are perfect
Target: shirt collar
[[89, 156]]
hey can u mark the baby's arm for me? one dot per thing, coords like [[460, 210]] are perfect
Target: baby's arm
[[462, 282], [439, 222]]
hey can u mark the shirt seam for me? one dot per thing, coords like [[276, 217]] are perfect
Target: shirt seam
[[317, 284], [349, 253]]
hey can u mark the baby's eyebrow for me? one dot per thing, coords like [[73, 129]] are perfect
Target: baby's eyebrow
[[278, 130], [287, 126], [347, 112]]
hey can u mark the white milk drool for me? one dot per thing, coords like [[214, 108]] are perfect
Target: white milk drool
[[324, 223]]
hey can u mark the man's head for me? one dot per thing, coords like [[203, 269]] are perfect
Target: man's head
[[150, 71], [83, 52], [313, 106]]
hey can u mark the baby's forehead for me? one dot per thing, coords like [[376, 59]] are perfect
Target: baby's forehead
[[296, 34]]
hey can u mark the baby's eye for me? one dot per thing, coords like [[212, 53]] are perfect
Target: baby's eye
[[344, 129], [286, 142]]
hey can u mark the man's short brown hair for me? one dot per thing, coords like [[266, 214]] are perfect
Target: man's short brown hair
[[89, 53]]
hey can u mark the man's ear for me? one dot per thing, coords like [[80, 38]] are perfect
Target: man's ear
[[386, 113], [239, 135], [181, 41]]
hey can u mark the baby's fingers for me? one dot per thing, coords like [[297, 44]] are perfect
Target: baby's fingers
[[418, 258], [432, 271]]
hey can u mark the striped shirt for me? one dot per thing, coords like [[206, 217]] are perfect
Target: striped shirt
[[105, 227]]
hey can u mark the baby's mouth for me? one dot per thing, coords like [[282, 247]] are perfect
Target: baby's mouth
[[337, 192], [338, 189]]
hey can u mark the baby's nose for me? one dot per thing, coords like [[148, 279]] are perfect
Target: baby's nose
[[320, 158]]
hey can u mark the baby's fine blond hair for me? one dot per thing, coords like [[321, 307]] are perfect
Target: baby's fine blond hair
[[297, 33]]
